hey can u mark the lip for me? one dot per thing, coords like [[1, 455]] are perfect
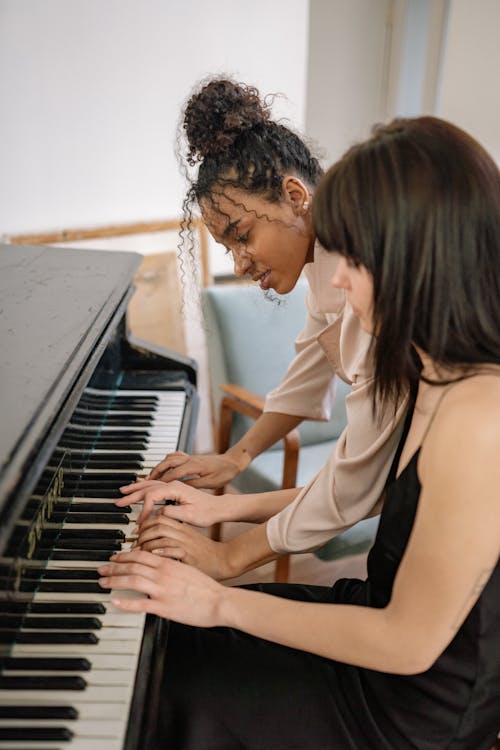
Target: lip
[[263, 280]]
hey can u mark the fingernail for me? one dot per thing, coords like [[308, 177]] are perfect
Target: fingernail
[[158, 551], [103, 581]]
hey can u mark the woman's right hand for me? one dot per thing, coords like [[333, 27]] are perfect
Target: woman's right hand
[[210, 472], [193, 506]]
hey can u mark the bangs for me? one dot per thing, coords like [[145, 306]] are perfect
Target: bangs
[[337, 221]]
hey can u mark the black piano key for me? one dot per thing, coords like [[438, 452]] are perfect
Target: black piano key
[[110, 420], [105, 534], [117, 434], [106, 444], [90, 544], [51, 623], [118, 401], [104, 492], [43, 682], [91, 554], [97, 476], [58, 608], [94, 519], [111, 457], [39, 712], [36, 734], [50, 536], [72, 574], [47, 638], [62, 587], [102, 462], [44, 664], [89, 507]]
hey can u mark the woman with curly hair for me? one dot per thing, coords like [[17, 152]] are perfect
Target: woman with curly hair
[[255, 188], [409, 658]]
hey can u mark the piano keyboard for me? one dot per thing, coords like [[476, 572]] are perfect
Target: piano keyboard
[[68, 657]]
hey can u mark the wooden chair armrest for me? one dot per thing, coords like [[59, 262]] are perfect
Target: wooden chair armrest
[[238, 393], [245, 402]]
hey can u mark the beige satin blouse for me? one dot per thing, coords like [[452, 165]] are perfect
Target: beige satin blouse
[[350, 484]]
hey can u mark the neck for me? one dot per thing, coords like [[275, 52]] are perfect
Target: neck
[[310, 251]]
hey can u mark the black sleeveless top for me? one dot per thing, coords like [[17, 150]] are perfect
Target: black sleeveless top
[[456, 703]]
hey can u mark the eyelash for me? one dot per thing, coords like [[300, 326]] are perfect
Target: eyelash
[[241, 240]]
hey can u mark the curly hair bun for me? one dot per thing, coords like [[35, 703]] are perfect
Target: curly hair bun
[[217, 114]]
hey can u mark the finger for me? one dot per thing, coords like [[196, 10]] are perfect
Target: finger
[[128, 569], [175, 512], [134, 556], [171, 461], [162, 532], [131, 583], [172, 553], [140, 484], [136, 605], [146, 511], [154, 519]]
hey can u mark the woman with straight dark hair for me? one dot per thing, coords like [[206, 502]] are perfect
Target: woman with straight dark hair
[[409, 658]]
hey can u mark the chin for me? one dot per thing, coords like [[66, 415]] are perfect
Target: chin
[[285, 286]]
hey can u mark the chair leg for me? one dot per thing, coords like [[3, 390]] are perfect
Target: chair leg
[[282, 569]]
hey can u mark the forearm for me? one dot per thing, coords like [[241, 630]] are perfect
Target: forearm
[[255, 508], [267, 430], [362, 636], [247, 551]]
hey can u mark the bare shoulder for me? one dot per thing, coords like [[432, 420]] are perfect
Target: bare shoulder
[[467, 423], [475, 399]]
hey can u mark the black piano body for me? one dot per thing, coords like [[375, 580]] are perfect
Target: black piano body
[[65, 351]]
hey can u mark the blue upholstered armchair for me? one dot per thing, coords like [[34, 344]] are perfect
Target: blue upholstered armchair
[[250, 343]]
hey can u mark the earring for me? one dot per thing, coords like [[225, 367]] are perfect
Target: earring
[[305, 207]]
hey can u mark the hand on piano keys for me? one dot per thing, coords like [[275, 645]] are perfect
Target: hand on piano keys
[[184, 503], [208, 471], [174, 590]]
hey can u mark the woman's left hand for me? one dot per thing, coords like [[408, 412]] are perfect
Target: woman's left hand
[[167, 537], [176, 591]]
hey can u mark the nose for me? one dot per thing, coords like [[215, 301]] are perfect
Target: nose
[[241, 264], [340, 278]]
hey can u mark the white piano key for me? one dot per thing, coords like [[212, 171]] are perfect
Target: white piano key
[[88, 743], [91, 694], [75, 649]]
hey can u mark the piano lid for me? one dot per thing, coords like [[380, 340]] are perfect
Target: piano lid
[[55, 304]]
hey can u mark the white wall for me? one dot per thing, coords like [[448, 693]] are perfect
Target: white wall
[[470, 78], [91, 90], [371, 60], [346, 74]]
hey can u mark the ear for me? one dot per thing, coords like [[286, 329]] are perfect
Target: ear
[[295, 192]]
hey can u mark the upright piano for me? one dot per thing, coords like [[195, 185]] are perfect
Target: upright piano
[[84, 409]]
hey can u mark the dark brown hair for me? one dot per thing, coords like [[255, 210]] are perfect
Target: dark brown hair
[[227, 132], [418, 204], [231, 135]]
